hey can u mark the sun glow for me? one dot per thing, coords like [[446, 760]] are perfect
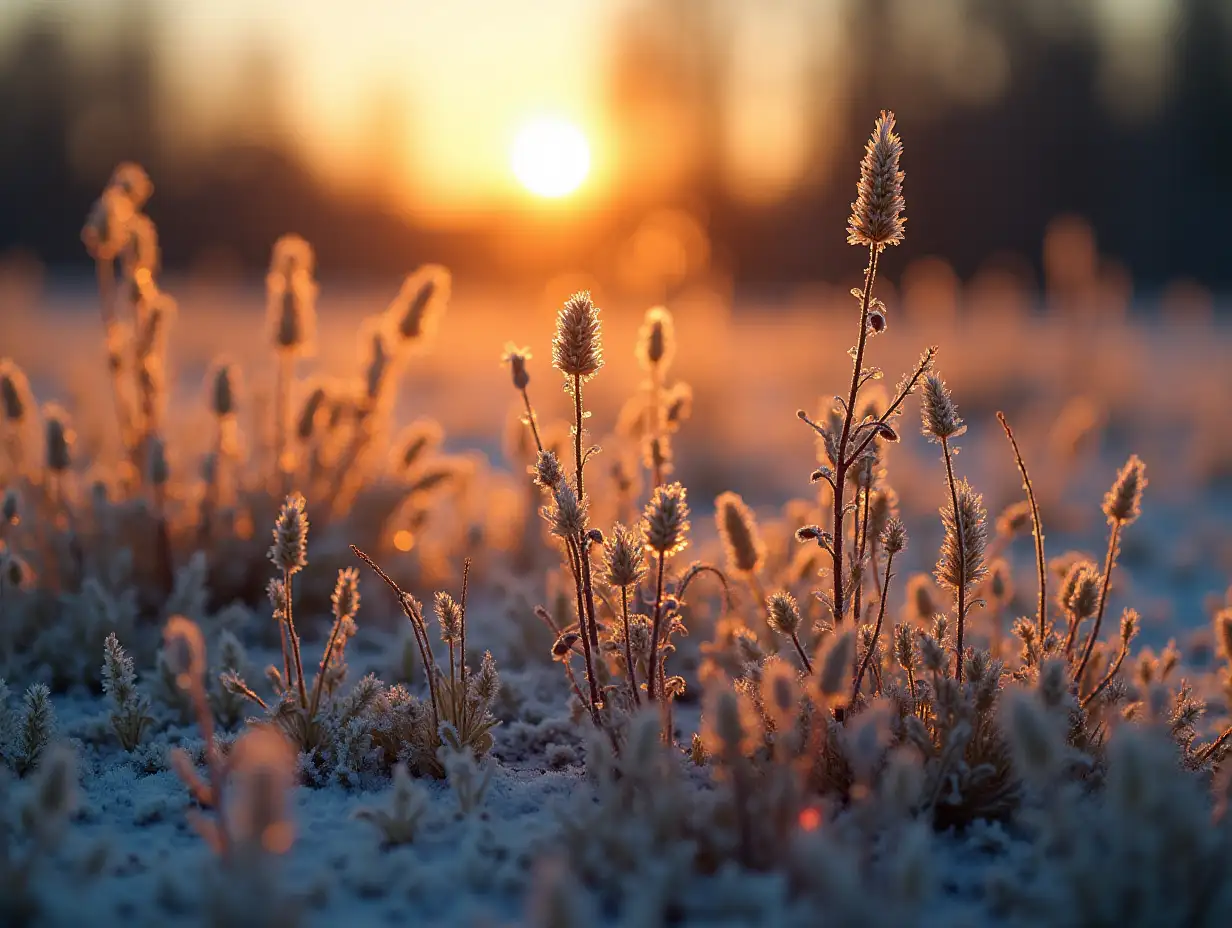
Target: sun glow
[[550, 157]]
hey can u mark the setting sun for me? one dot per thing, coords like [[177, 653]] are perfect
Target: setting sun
[[550, 157]]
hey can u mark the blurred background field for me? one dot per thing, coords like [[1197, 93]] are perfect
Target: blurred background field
[[1069, 161]]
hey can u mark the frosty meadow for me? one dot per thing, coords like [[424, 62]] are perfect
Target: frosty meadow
[[769, 722]]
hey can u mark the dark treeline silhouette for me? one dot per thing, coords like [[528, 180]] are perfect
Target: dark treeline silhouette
[[983, 179]]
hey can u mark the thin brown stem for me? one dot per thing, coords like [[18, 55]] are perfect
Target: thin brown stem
[[1214, 746], [841, 465], [808, 665], [1037, 528], [294, 636], [418, 628], [868, 655], [1108, 677], [571, 545], [861, 546], [624, 617], [1114, 538], [578, 417], [654, 632], [961, 592], [588, 591], [530, 419]]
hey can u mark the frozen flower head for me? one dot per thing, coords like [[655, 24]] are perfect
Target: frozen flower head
[[877, 214], [345, 598], [310, 413], [14, 392], [516, 358], [417, 441], [449, 615], [1079, 595], [289, 552], [1014, 519], [59, 437], [547, 471], [656, 340], [577, 346], [666, 522], [292, 255], [1123, 503], [566, 515], [894, 536], [261, 775], [416, 310], [222, 386], [184, 647], [624, 557], [377, 362], [291, 295], [783, 613], [938, 412], [738, 530], [963, 566]]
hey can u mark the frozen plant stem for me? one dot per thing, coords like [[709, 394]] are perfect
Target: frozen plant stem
[[840, 474], [624, 617], [583, 545], [294, 638], [655, 629], [572, 545], [1037, 528], [530, 419], [1114, 540], [961, 561], [868, 655]]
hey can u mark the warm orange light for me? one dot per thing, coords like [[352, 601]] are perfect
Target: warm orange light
[[550, 157], [404, 540], [810, 819]]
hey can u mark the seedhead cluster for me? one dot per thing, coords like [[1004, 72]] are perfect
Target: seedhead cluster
[[844, 744]]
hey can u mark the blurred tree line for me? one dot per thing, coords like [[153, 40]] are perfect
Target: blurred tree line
[[985, 172]]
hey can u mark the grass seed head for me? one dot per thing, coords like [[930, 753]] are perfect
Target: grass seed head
[[1079, 595], [963, 566], [666, 521], [783, 613], [547, 470], [876, 215], [184, 647], [417, 308], [14, 392], [624, 557], [656, 340], [1123, 503], [345, 598], [516, 358], [738, 529], [289, 552], [59, 439], [894, 537], [577, 346], [937, 409], [566, 515], [449, 615]]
